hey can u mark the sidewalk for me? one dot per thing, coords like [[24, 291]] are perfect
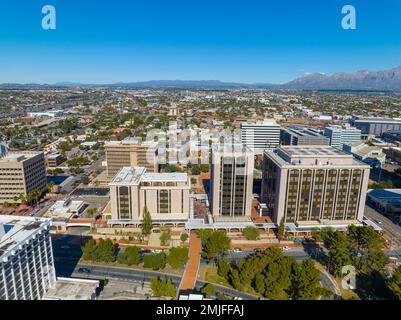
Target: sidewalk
[[191, 271]]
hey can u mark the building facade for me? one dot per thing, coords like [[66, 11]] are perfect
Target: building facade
[[27, 264], [131, 152], [376, 126], [303, 137], [260, 136], [340, 135], [314, 185], [165, 195], [21, 173], [231, 180]]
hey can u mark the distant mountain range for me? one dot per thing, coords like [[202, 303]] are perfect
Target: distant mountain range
[[389, 80]]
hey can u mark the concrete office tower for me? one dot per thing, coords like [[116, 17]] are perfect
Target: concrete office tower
[[340, 135], [165, 195], [303, 137], [314, 185], [26, 258], [21, 173], [131, 152], [231, 180], [371, 127], [261, 135]]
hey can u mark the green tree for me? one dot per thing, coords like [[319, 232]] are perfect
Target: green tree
[[184, 237], [281, 230], [130, 256], [85, 180], [105, 252], [146, 222], [305, 284], [215, 244], [89, 249], [162, 288], [224, 268], [394, 284], [209, 290], [251, 233], [155, 261], [165, 237], [177, 257]]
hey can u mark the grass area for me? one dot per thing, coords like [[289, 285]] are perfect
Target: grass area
[[212, 276], [167, 269]]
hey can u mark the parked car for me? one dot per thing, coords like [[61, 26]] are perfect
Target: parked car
[[237, 250], [286, 248], [84, 270], [157, 251]]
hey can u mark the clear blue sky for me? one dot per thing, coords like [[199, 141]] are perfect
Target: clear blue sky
[[106, 41]]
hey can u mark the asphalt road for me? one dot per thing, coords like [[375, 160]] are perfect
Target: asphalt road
[[65, 269], [390, 229]]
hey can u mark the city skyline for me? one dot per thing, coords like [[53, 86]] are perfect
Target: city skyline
[[257, 42]]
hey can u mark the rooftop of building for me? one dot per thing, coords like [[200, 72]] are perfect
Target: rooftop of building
[[132, 141], [312, 151], [165, 177], [16, 229], [18, 156], [265, 122], [312, 156], [136, 175], [64, 208], [231, 148], [378, 120], [129, 175], [72, 289], [305, 132], [387, 195]]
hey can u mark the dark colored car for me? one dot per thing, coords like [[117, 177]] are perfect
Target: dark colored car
[[84, 270]]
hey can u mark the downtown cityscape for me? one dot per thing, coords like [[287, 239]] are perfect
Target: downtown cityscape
[[257, 186]]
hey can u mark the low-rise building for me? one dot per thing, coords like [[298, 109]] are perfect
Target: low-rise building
[[385, 200], [54, 159]]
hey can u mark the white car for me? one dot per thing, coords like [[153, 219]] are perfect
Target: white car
[[237, 250], [286, 249], [157, 251]]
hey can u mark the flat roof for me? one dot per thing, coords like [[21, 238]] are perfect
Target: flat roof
[[129, 175], [312, 151], [165, 177], [64, 209], [385, 194], [17, 230], [72, 289], [18, 156]]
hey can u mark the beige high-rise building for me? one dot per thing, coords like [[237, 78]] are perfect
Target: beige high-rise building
[[131, 152], [21, 173], [231, 180], [165, 195], [314, 185]]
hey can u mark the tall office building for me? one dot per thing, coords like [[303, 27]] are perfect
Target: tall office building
[[131, 152], [21, 173], [303, 137], [165, 195], [340, 135], [26, 258], [375, 126], [231, 180], [314, 185], [260, 136]]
